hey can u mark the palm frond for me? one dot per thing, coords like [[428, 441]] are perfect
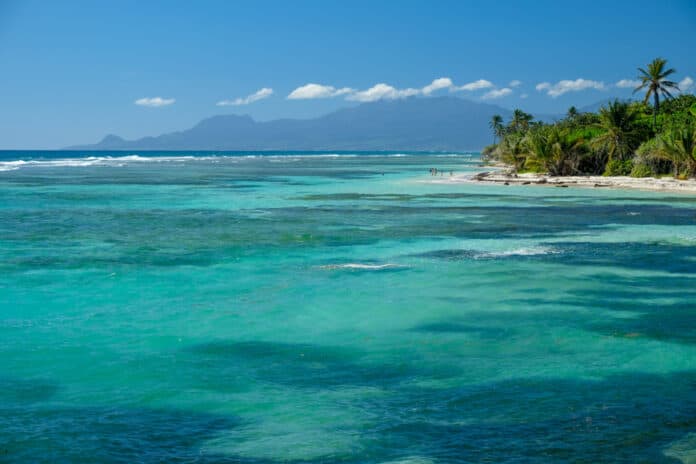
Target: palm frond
[[641, 86], [666, 92]]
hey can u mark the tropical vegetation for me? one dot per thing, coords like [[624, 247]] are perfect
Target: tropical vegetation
[[652, 137]]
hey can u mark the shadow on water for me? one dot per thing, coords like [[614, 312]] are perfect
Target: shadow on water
[[35, 429], [534, 419], [109, 435], [623, 418], [13, 390], [660, 307], [479, 331], [209, 236], [617, 418], [649, 256], [669, 322], [221, 365]]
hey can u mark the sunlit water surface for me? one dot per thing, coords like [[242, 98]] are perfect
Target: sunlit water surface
[[207, 307]]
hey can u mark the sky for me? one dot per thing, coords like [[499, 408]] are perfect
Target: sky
[[72, 72]]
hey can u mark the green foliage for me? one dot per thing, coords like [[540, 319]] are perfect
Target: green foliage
[[680, 104], [489, 152], [586, 119], [621, 139], [641, 170], [554, 150], [520, 121], [648, 150], [511, 151], [678, 145], [654, 82], [618, 167], [649, 154], [496, 124], [618, 124], [572, 114]]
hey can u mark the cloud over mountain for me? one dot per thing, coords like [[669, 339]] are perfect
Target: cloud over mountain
[[256, 96], [565, 86]]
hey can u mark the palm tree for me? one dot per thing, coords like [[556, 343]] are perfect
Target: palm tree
[[511, 150], [554, 150], [572, 113], [654, 80], [678, 145], [618, 123], [497, 125], [520, 120]]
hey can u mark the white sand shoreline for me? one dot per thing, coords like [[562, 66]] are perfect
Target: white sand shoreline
[[665, 184]]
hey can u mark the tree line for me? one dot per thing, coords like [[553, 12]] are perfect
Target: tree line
[[653, 137]]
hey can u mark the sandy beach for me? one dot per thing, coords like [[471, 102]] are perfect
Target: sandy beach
[[665, 184]]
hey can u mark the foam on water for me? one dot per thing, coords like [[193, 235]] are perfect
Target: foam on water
[[412, 460], [118, 161], [523, 251], [362, 266], [110, 161]]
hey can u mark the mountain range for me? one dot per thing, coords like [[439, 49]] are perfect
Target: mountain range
[[428, 124]]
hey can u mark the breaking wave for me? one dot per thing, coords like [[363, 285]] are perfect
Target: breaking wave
[[524, 251], [362, 266], [118, 161]]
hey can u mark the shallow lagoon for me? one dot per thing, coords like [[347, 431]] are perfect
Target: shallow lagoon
[[287, 307]]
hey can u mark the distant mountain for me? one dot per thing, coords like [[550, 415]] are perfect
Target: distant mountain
[[593, 108], [442, 123]]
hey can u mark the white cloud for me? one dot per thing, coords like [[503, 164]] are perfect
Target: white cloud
[[154, 102], [686, 84], [476, 85], [256, 96], [437, 84], [564, 86], [523, 96], [382, 91], [312, 91], [514, 83], [496, 93], [628, 84]]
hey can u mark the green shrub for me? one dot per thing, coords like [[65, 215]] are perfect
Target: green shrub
[[641, 170], [617, 167], [488, 150]]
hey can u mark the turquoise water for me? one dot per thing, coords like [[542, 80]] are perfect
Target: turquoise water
[[177, 307]]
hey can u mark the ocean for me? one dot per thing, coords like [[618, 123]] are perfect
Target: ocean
[[338, 307]]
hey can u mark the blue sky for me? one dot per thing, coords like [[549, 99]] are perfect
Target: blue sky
[[73, 71]]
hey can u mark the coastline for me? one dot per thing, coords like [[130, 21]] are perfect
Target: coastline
[[665, 184]]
